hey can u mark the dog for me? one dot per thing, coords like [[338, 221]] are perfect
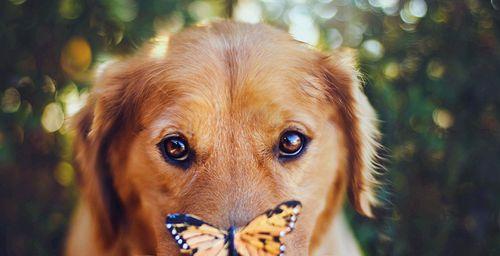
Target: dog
[[223, 121]]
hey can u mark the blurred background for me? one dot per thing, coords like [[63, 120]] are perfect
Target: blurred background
[[432, 70]]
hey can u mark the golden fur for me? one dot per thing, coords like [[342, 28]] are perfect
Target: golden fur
[[231, 89]]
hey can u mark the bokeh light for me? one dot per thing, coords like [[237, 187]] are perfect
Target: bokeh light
[[70, 9], [326, 10], [391, 70], [353, 35], [417, 8], [64, 174], [435, 69], [248, 11], [52, 117], [73, 99], [11, 100], [373, 49], [76, 56], [389, 7], [202, 11], [302, 26], [160, 46], [335, 38], [123, 10], [442, 118]]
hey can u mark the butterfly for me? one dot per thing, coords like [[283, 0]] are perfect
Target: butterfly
[[261, 236]]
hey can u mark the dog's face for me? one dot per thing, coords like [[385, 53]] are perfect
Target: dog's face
[[229, 121]]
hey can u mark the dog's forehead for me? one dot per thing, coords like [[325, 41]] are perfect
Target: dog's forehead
[[250, 74], [237, 60]]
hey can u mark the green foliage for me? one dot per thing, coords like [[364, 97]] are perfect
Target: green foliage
[[432, 71], [440, 120]]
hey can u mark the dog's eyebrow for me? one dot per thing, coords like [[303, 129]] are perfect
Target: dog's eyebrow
[[139, 128], [162, 127], [312, 87]]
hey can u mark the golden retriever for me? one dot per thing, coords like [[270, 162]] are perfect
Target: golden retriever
[[227, 121]]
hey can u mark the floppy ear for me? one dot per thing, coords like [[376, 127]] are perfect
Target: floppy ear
[[360, 127], [110, 113]]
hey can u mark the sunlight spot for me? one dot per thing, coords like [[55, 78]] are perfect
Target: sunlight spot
[[335, 38], [124, 10], [325, 11], [442, 118], [354, 35], [11, 100], [373, 49], [49, 86], [76, 56], [52, 117], [160, 47], [64, 174], [383, 3], [362, 4], [302, 26], [201, 11], [70, 9], [435, 69], [103, 62], [407, 17], [72, 99], [391, 70], [248, 11], [418, 8]]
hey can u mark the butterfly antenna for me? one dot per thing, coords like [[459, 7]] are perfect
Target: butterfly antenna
[[230, 238]]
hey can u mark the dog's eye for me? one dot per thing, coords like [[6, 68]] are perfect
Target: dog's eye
[[175, 148], [291, 144]]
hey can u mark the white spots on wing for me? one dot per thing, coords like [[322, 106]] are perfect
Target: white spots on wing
[[293, 218], [282, 248], [177, 237]]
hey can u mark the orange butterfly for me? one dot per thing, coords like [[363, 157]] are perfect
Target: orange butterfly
[[262, 236]]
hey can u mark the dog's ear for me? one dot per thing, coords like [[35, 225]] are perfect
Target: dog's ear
[[109, 114], [358, 120]]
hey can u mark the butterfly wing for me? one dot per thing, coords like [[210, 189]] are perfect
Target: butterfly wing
[[196, 237], [264, 234]]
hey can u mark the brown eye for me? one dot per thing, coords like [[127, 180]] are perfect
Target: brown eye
[[291, 143], [175, 148]]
